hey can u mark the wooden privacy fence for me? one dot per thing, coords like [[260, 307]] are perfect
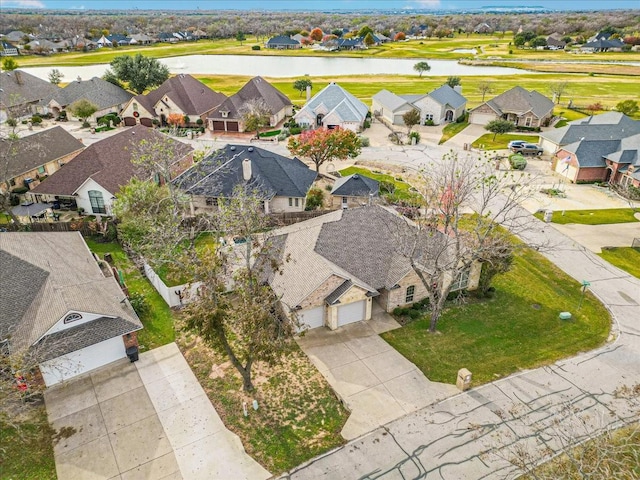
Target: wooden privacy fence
[[82, 227]]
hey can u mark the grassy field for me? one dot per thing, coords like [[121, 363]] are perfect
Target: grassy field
[[158, 320], [625, 258], [487, 142], [517, 329], [593, 217], [27, 453]]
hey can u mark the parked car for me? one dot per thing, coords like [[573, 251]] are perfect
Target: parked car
[[513, 143], [527, 149]]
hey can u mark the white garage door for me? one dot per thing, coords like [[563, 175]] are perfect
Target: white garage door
[[312, 318], [82, 361], [481, 118], [351, 312]]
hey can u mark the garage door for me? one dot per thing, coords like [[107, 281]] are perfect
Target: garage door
[[218, 125], [129, 121], [232, 126], [312, 318], [82, 361], [351, 312], [481, 118], [147, 122]]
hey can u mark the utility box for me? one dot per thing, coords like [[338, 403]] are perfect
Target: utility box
[[464, 379], [132, 353], [548, 215]]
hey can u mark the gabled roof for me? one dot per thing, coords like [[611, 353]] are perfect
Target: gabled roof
[[607, 126], [337, 99], [356, 186], [189, 94], [108, 162], [591, 153], [20, 88], [255, 89], [97, 91], [35, 150], [274, 175], [72, 281], [604, 44], [390, 100], [282, 40], [519, 100], [445, 95]]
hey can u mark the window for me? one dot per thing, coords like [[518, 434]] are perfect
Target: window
[[211, 201], [224, 114], [297, 202], [527, 122], [97, 202], [408, 296], [72, 317], [291, 202], [461, 282], [428, 116], [135, 107]]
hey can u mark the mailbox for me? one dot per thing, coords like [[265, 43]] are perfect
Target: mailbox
[[464, 379]]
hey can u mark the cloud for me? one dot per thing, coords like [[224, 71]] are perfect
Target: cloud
[[427, 3], [21, 4]]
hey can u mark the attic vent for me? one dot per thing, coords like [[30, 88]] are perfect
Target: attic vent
[[232, 148], [250, 149], [355, 176]]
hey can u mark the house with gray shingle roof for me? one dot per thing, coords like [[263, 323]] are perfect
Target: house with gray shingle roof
[[522, 107], [283, 43], [92, 179], [104, 95], [354, 191], [23, 94], [228, 116], [281, 182], [337, 263], [182, 94], [58, 308], [332, 107]]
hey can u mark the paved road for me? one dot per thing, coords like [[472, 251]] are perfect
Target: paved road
[[472, 435]]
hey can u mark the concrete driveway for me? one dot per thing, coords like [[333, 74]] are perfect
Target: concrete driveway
[[375, 383], [145, 420]]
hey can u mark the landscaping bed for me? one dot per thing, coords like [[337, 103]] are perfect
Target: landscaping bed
[[517, 329], [593, 217], [501, 142], [451, 130]]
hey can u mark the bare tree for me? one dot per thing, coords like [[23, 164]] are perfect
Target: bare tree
[[255, 114], [557, 89], [485, 87]]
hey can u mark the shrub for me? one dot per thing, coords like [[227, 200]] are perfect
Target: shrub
[[415, 135], [315, 199], [139, 303], [429, 123], [36, 119], [106, 121], [328, 188], [20, 190], [400, 312], [387, 187], [518, 162], [367, 124], [364, 141], [295, 130], [414, 314], [255, 47], [199, 122]]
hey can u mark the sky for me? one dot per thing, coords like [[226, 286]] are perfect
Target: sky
[[324, 5]]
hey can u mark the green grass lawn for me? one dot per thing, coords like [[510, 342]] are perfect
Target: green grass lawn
[[517, 329], [502, 140], [452, 130], [593, 217], [625, 258], [402, 188], [27, 453], [158, 321]]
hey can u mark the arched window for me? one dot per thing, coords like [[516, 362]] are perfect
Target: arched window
[[97, 202]]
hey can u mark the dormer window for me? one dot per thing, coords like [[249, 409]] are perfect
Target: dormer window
[[224, 114]]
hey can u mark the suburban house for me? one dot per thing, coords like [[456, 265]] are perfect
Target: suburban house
[[603, 148], [523, 107], [59, 307], [443, 105], [333, 107], [22, 93], [603, 45], [282, 182], [555, 42], [92, 179], [354, 191], [336, 44], [283, 43], [33, 158], [182, 94], [104, 95], [8, 49], [228, 116], [141, 39], [483, 28], [337, 263]]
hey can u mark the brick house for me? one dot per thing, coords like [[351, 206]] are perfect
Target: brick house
[[522, 107]]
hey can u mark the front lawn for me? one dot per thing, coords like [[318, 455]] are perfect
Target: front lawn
[[486, 141], [517, 329], [298, 417], [158, 320], [593, 217], [402, 190], [452, 130], [625, 258]]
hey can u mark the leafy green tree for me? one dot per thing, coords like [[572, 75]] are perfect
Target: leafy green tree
[[369, 40], [411, 118], [111, 77], [628, 107], [240, 36], [315, 199], [302, 84], [55, 76], [83, 109], [324, 145], [453, 81], [364, 31], [499, 126], [9, 64], [421, 67], [538, 42], [139, 72]]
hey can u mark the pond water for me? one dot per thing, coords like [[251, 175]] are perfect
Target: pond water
[[272, 66]]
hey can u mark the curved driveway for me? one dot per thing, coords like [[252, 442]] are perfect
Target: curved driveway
[[474, 434]]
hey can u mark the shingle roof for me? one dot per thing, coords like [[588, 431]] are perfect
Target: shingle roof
[[272, 174], [35, 150], [337, 99], [282, 40], [607, 126], [255, 89], [518, 100], [604, 44], [591, 153], [97, 91], [390, 100], [445, 95], [190, 95], [356, 186], [334, 296], [74, 282], [20, 88], [108, 162]]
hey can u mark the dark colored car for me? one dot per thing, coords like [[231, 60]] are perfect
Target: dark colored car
[[527, 149]]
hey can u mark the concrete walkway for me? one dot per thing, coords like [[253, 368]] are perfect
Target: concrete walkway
[[472, 435], [145, 420], [375, 382]]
